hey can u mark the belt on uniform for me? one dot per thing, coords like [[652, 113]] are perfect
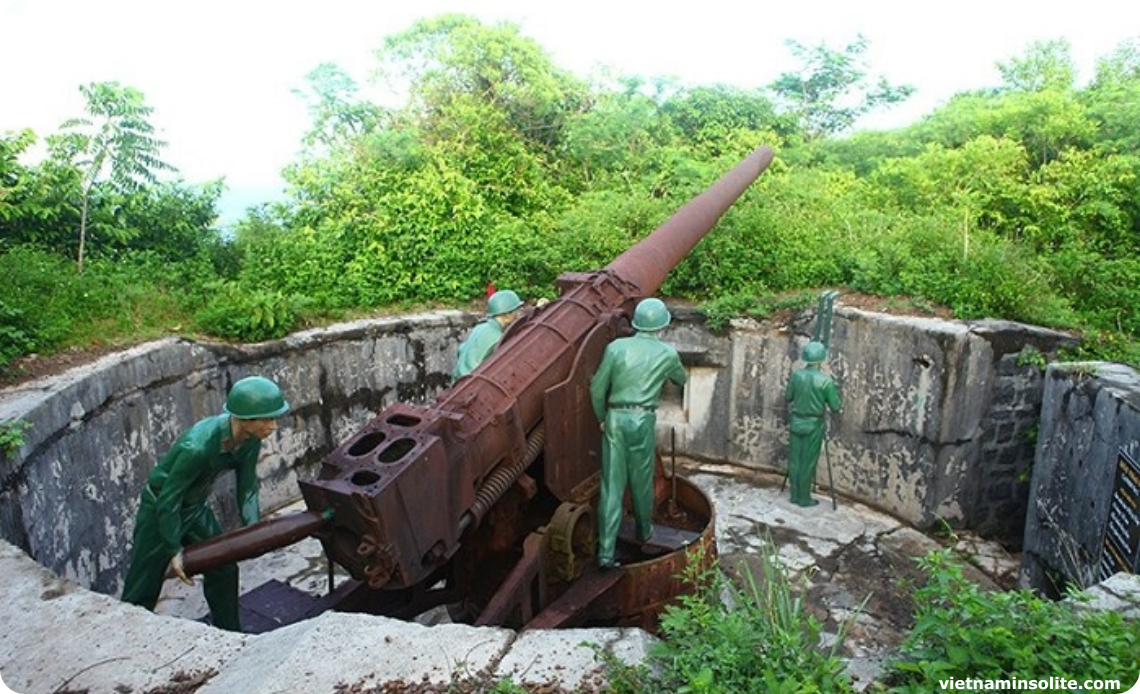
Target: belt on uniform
[[625, 406]]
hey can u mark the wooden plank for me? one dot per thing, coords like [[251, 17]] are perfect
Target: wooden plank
[[589, 586]]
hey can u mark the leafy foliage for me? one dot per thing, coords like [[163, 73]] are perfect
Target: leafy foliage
[[339, 115], [1020, 201], [962, 631], [829, 92], [250, 315], [48, 306], [12, 436], [719, 311], [750, 634]]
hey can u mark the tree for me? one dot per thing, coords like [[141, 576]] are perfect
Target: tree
[[830, 93], [12, 173], [1114, 99], [714, 118], [116, 144], [1046, 65], [36, 201], [454, 56], [339, 116]]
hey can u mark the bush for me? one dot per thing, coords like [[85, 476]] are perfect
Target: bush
[[251, 315], [15, 334], [719, 311], [41, 296], [753, 634], [962, 632]]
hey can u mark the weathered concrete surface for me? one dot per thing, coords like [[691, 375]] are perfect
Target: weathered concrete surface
[[933, 425], [1120, 593], [97, 430], [1091, 412], [55, 634], [937, 414], [857, 564], [52, 631]]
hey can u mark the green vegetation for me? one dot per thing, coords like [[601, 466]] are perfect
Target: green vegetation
[[963, 632], [753, 634], [12, 436], [1020, 201]]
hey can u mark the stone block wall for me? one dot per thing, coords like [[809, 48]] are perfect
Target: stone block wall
[[938, 416]]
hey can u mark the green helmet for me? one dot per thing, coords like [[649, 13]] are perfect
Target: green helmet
[[256, 398], [651, 315], [503, 301], [814, 352]]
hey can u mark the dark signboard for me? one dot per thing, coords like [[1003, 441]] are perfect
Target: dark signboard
[[1121, 550]]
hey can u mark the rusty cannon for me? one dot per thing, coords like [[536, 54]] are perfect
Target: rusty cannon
[[482, 500]]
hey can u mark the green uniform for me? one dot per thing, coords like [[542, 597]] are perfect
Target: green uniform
[[483, 340], [173, 512], [811, 393], [625, 392]]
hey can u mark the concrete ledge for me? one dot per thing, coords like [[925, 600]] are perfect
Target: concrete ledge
[[55, 635]]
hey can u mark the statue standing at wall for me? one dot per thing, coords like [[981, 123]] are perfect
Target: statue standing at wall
[[625, 392], [173, 511], [810, 394]]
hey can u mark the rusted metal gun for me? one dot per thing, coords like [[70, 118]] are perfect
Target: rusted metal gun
[[445, 494]]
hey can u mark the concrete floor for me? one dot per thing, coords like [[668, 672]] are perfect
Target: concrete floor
[[54, 635], [857, 564]]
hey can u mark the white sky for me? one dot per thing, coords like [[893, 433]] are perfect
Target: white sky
[[219, 74]]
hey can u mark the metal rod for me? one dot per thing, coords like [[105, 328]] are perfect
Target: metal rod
[[827, 457], [673, 473], [252, 540], [817, 331], [825, 332]]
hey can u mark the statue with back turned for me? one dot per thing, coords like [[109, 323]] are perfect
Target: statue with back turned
[[625, 392], [810, 394]]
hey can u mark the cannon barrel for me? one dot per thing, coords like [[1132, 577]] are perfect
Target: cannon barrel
[[412, 485], [646, 264]]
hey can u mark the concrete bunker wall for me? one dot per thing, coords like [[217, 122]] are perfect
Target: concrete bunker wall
[[937, 417], [69, 497], [934, 422], [1090, 414]]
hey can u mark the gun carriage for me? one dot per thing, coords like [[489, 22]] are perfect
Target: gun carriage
[[483, 499]]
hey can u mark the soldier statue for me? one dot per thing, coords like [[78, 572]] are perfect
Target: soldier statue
[[502, 309], [811, 393], [625, 392], [173, 511]]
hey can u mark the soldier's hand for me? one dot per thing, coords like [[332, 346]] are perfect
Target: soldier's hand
[[541, 302], [602, 426], [178, 570]]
